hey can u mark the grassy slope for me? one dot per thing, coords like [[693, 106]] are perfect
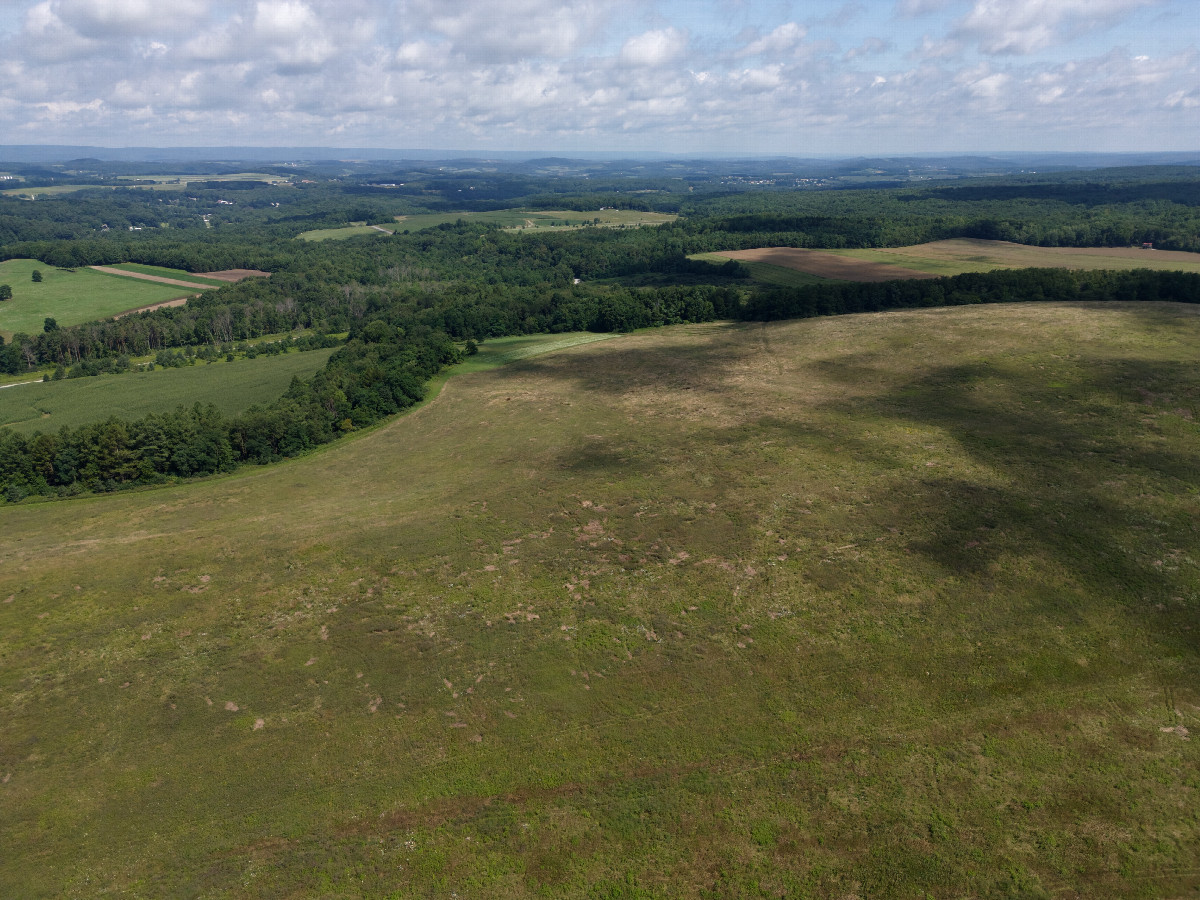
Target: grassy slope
[[767, 273], [873, 605], [71, 297], [233, 387]]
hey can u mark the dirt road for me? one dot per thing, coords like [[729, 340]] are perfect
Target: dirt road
[[109, 270]]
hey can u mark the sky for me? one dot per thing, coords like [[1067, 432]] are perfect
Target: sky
[[877, 77]]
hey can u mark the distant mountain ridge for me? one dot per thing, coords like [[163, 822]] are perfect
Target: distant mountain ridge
[[64, 153]]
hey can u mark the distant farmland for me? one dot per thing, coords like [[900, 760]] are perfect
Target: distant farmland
[[512, 219], [952, 257], [142, 182], [72, 296]]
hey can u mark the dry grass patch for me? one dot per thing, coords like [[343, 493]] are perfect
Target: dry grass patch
[[700, 610], [235, 275], [971, 255], [826, 265]]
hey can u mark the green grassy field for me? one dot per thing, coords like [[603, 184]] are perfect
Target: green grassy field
[[496, 352], [346, 231], [513, 219], [232, 386], [888, 606], [71, 297]]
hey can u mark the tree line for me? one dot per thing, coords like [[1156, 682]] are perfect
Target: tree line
[[384, 367]]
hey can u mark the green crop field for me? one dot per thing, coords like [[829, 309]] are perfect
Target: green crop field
[[178, 274], [71, 297], [891, 605], [231, 386], [512, 219]]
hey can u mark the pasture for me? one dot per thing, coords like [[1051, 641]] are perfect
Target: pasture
[[951, 257], [511, 219], [72, 296], [888, 605], [231, 386]]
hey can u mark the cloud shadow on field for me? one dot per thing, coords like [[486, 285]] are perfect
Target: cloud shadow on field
[[1079, 475], [625, 369], [1096, 479]]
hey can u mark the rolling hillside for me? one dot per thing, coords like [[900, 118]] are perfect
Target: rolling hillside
[[877, 605]]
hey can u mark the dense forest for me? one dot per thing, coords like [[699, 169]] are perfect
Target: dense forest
[[406, 299]]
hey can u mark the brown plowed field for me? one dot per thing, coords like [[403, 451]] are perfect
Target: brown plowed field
[[826, 265], [234, 275]]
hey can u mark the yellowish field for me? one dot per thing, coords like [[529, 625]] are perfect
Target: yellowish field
[[971, 255], [824, 264], [960, 255]]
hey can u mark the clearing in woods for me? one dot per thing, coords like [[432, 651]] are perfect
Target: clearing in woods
[[511, 219], [72, 296], [822, 264], [232, 386], [883, 605], [952, 257]]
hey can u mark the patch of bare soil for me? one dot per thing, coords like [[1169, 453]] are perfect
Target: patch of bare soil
[[234, 275], [826, 265]]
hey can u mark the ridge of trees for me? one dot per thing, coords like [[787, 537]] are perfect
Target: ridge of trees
[[384, 368]]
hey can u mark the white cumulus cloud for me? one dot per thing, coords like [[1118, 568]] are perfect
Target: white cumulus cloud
[[1026, 26], [654, 48]]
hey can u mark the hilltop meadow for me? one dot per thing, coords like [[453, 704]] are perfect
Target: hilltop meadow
[[620, 532], [880, 605]]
